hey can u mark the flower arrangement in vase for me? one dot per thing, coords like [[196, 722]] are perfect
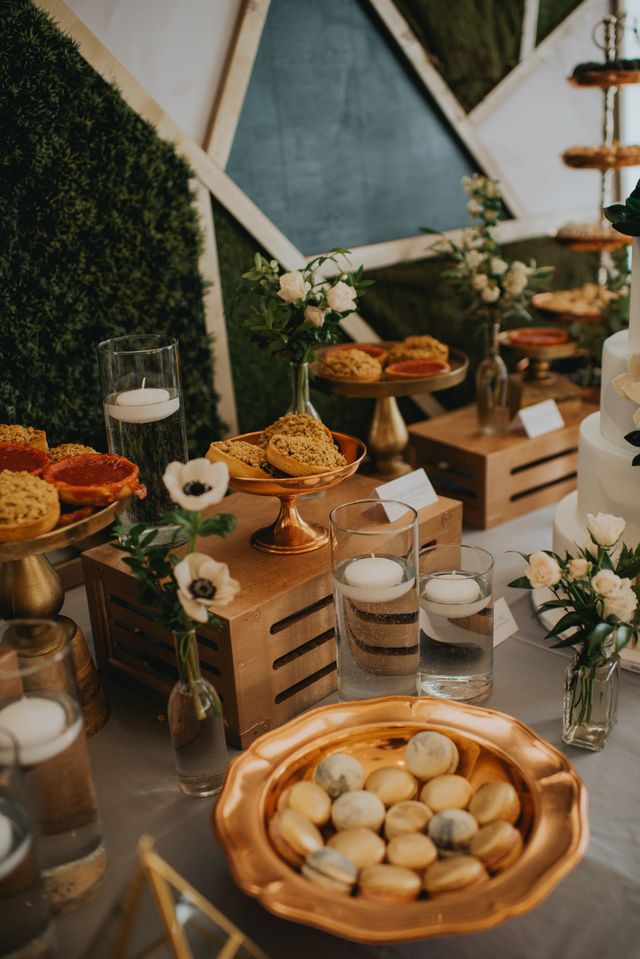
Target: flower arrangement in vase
[[182, 593], [495, 290], [599, 603], [293, 314]]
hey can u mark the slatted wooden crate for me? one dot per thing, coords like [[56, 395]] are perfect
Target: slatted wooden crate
[[497, 477], [275, 653]]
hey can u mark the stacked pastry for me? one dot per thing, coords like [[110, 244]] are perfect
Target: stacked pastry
[[366, 363], [400, 832]]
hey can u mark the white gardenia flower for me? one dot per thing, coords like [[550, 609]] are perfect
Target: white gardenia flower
[[543, 570], [293, 287], [498, 266], [197, 484], [492, 189], [577, 568], [474, 207], [473, 259], [203, 583], [341, 298], [315, 315], [606, 582], [490, 294], [519, 267], [605, 529], [479, 281], [621, 603], [515, 283]]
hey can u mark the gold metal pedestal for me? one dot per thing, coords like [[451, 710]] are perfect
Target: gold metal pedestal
[[30, 587]]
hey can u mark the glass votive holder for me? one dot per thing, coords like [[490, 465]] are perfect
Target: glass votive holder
[[374, 547], [39, 706], [144, 417], [456, 623], [25, 924]]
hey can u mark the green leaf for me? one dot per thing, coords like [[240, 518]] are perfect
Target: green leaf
[[520, 583], [597, 636], [566, 622]]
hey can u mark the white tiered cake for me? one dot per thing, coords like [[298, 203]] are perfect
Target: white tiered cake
[[607, 482]]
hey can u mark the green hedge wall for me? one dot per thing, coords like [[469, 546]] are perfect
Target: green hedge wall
[[99, 237]]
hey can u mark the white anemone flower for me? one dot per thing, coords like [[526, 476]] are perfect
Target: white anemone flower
[[203, 583], [197, 484]]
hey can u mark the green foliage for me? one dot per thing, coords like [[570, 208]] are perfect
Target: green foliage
[[99, 238], [551, 13], [626, 216]]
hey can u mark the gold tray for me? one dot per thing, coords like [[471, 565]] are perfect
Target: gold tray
[[402, 386], [63, 536], [492, 746], [552, 351]]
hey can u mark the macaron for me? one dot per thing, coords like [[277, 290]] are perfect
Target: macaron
[[409, 816], [429, 754], [447, 792], [391, 784], [308, 799], [389, 883], [448, 875], [363, 847], [413, 850], [495, 800], [357, 808], [338, 774], [293, 836], [329, 869], [497, 845], [452, 830]]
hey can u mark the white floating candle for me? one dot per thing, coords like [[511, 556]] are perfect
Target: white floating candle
[[453, 595], [375, 579], [6, 836], [146, 405], [40, 727], [11, 856]]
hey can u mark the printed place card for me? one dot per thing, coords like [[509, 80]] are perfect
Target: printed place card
[[414, 489], [504, 625], [541, 418]]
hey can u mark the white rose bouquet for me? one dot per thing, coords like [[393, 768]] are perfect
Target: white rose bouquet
[[495, 289]]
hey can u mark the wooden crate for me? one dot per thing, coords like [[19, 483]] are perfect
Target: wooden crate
[[497, 477], [275, 653]]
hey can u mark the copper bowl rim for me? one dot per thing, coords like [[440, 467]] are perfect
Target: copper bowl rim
[[557, 841]]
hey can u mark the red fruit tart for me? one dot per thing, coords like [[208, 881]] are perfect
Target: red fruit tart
[[416, 369], [20, 458], [538, 336], [94, 479]]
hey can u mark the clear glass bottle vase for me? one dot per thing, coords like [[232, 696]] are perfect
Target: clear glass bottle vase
[[492, 382], [196, 723], [590, 701], [300, 402]]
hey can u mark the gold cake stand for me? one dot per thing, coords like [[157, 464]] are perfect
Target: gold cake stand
[[290, 533], [30, 588], [539, 381], [388, 436]]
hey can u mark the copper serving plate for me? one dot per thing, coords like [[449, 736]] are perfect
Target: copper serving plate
[[492, 746], [290, 533]]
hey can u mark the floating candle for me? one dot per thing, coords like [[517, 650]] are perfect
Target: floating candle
[[11, 852], [453, 595], [6, 836], [374, 579], [40, 727], [146, 405]]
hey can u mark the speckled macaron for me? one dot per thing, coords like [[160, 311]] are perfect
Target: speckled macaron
[[363, 847], [389, 883], [413, 850], [293, 836], [331, 870], [448, 875], [452, 830], [308, 799], [495, 800], [392, 784], [447, 792], [429, 754], [409, 816], [497, 845], [357, 808], [339, 773]]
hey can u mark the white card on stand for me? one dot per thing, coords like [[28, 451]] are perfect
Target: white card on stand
[[504, 625], [541, 418], [414, 489]]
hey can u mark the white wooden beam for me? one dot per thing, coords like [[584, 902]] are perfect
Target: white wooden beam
[[529, 27]]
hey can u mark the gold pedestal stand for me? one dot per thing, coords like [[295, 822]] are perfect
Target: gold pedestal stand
[[388, 437], [30, 587], [538, 381]]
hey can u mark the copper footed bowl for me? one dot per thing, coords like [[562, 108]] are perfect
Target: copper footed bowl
[[290, 533], [492, 746]]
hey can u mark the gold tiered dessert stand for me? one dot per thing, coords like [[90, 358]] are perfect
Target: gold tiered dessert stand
[[538, 381], [388, 436], [30, 588]]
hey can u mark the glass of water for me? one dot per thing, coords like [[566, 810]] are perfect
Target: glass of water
[[456, 623], [144, 416], [25, 924], [374, 545]]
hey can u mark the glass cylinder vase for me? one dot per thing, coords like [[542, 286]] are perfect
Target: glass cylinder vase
[[196, 723], [300, 402], [590, 701], [492, 382]]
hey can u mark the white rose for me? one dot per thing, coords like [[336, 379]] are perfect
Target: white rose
[[474, 207], [492, 189], [543, 570], [606, 582], [293, 287], [315, 315], [498, 266], [490, 294], [341, 298], [479, 281], [202, 583], [197, 484], [518, 267], [605, 529], [474, 258], [577, 568], [623, 604], [514, 284]]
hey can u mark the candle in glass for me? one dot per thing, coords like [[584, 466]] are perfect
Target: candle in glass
[[375, 579], [40, 728]]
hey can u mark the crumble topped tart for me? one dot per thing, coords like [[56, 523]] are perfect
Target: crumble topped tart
[[28, 506], [302, 456], [242, 458], [23, 435], [351, 365], [69, 449], [298, 424], [419, 348]]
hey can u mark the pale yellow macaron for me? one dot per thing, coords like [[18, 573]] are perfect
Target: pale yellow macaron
[[339, 773], [429, 754], [392, 784], [308, 799], [330, 870], [413, 850], [447, 792], [389, 883], [495, 800], [409, 816], [357, 808], [497, 845], [293, 836], [452, 830], [363, 847], [448, 875]]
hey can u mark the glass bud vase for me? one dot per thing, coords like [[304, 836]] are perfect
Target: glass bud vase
[[196, 724], [492, 381], [590, 701], [300, 402]]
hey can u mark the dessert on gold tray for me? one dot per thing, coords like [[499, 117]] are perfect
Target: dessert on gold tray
[[29, 507], [419, 348], [587, 301], [14, 433], [351, 364]]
